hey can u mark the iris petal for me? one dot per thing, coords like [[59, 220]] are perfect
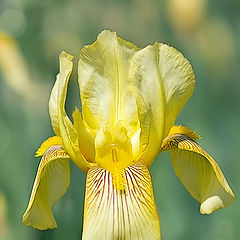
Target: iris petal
[[52, 181], [198, 172], [109, 214], [163, 80], [104, 82], [120, 82], [61, 124]]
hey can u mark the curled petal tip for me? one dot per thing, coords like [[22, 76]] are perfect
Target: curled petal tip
[[66, 55]]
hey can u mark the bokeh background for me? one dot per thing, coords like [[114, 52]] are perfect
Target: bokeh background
[[33, 33]]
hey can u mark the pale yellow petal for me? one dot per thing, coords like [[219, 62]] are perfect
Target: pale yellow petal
[[52, 181], [109, 214], [58, 94], [104, 83], [163, 80], [15, 72], [61, 124], [199, 173]]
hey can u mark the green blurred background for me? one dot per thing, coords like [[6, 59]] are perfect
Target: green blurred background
[[208, 34]]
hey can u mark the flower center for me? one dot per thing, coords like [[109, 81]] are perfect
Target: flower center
[[114, 152]]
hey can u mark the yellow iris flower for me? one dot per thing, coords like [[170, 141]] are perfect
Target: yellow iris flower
[[130, 100]]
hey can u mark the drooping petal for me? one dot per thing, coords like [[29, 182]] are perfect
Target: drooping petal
[[109, 214], [61, 124], [163, 80], [104, 82], [198, 171], [52, 181]]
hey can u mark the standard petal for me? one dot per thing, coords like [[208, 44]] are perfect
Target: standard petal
[[61, 124], [58, 94], [104, 83], [52, 181], [163, 82], [110, 214], [198, 171]]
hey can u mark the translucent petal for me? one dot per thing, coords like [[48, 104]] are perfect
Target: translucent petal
[[163, 81], [109, 214], [104, 83], [52, 181], [61, 124], [199, 173]]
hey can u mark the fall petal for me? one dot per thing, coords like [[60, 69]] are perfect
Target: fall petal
[[198, 171], [111, 214], [52, 181]]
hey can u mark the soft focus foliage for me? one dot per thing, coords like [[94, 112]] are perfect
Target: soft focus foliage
[[206, 32]]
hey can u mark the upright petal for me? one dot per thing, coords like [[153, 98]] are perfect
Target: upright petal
[[110, 214], [52, 181], [104, 83], [163, 80], [197, 170], [61, 124]]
